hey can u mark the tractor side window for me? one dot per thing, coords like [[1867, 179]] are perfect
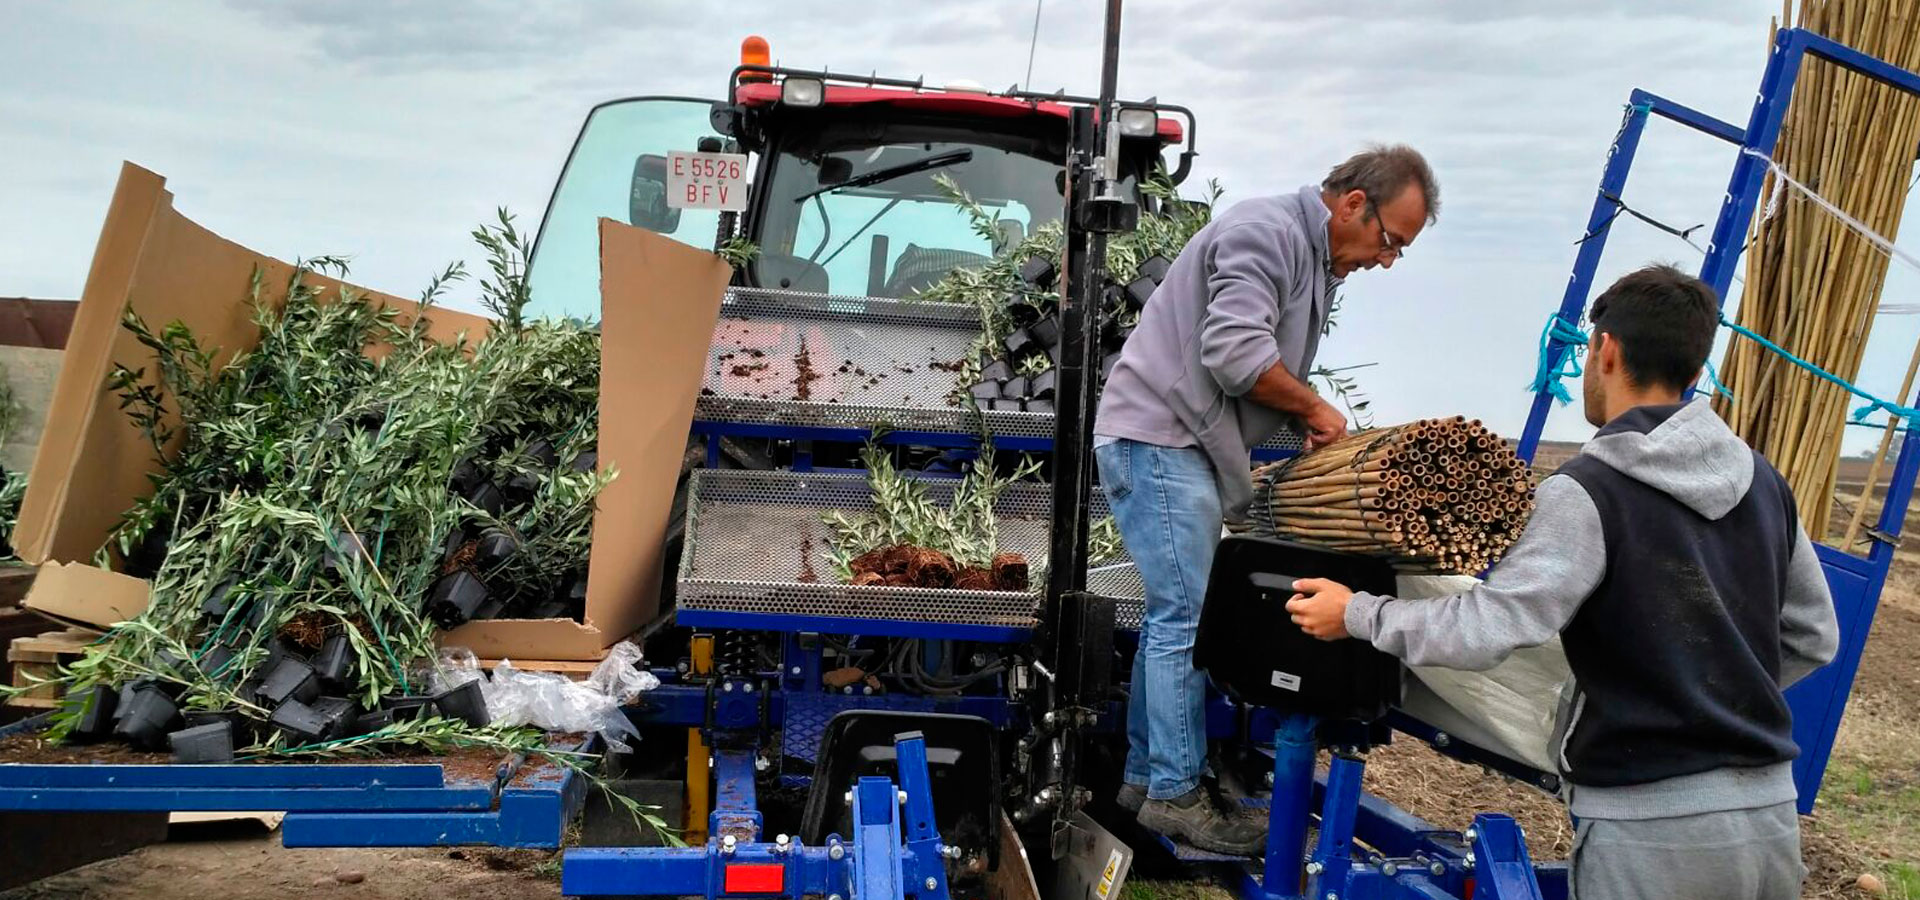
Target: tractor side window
[[874, 220], [617, 171]]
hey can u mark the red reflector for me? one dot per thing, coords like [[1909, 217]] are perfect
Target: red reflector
[[756, 879]]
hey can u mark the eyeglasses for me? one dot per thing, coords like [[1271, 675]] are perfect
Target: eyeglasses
[[1389, 244]]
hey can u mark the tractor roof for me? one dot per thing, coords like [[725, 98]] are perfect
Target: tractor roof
[[959, 102]]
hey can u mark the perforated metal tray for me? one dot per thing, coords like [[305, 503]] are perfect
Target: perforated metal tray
[[869, 363], [756, 543]]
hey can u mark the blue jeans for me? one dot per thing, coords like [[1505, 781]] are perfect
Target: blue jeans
[[1168, 508]]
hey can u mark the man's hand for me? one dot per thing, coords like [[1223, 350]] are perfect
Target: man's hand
[[1324, 425], [1320, 608]]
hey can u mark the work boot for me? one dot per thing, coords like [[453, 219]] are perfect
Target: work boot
[[1131, 797], [1192, 817]]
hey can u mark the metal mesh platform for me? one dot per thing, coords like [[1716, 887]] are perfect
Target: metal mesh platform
[[756, 544], [827, 361]]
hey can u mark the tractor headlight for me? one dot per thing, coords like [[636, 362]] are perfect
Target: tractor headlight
[[803, 92], [1138, 122]]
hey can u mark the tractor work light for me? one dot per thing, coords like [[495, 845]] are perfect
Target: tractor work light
[[804, 92], [1138, 121]]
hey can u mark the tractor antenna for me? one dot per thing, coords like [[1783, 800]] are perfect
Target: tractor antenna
[[1033, 43]]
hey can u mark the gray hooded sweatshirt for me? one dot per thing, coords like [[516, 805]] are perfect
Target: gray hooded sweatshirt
[[1249, 291], [1668, 558]]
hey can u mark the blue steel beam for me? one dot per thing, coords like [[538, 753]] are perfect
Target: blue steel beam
[[1294, 749], [1574, 302], [533, 812], [714, 618], [876, 840]]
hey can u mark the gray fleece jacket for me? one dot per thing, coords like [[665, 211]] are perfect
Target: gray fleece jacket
[[1249, 291], [1660, 556]]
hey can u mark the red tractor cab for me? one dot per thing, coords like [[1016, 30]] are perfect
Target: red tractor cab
[[846, 185]]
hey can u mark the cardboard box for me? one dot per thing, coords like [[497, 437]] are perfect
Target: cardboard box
[[661, 301]]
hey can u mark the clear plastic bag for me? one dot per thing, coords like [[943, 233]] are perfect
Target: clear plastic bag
[[553, 702]]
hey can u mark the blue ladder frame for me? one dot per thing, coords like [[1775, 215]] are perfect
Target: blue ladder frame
[[1856, 581]]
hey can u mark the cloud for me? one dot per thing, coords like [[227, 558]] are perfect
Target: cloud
[[388, 130]]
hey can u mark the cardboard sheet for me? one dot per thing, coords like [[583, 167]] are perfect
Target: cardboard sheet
[[661, 300]]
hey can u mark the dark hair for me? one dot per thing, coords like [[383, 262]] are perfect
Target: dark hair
[[1664, 320], [1382, 173]]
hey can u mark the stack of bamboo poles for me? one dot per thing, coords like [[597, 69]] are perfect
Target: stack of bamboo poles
[[1812, 283], [1438, 495]]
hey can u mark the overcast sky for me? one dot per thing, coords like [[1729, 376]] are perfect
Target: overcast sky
[[385, 131]]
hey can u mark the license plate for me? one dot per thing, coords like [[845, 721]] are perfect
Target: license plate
[[707, 181]]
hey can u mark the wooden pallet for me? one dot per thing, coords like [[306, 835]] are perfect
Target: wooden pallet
[[40, 657]]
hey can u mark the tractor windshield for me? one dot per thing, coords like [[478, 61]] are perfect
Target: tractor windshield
[[873, 218]]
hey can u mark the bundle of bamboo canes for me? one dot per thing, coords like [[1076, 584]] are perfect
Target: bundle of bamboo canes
[[1437, 495], [1812, 283]]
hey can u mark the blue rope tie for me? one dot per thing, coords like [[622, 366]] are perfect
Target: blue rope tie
[[1713, 380], [1547, 376], [1549, 373], [1859, 415]]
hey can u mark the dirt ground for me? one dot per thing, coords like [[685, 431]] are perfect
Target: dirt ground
[[253, 866]]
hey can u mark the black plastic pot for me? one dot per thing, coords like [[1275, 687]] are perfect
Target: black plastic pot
[[455, 598], [145, 560], [344, 547], [1015, 388], [1139, 291], [203, 744], [1041, 386], [288, 679], [542, 452], [1039, 406], [487, 496], [985, 390], [370, 722], [1019, 343], [466, 476], [334, 662], [998, 370], [337, 714], [451, 546], [465, 703], [490, 609], [586, 462], [1046, 331], [217, 604], [1021, 313], [300, 722], [96, 706], [494, 546], [215, 661], [1155, 267], [409, 708], [522, 485], [146, 719], [238, 725], [1037, 271], [576, 597]]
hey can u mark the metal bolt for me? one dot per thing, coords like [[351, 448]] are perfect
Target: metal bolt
[[794, 671], [1472, 835], [1437, 867], [1442, 739], [1469, 861], [1269, 778], [950, 852], [847, 690], [903, 797], [836, 853], [1332, 896], [760, 764], [1314, 868], [867, 690], [728, 687], [848, 797], [1389, 868], [932, 884], [727, 844], [781, 840], [746, 687]]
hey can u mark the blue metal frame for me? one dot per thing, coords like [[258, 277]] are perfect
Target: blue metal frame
[[1856, 582], [894, 851]]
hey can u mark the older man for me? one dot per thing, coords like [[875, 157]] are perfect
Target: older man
[[1217, 365]]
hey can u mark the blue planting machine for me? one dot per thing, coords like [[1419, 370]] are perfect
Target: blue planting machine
[[872, 742]]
